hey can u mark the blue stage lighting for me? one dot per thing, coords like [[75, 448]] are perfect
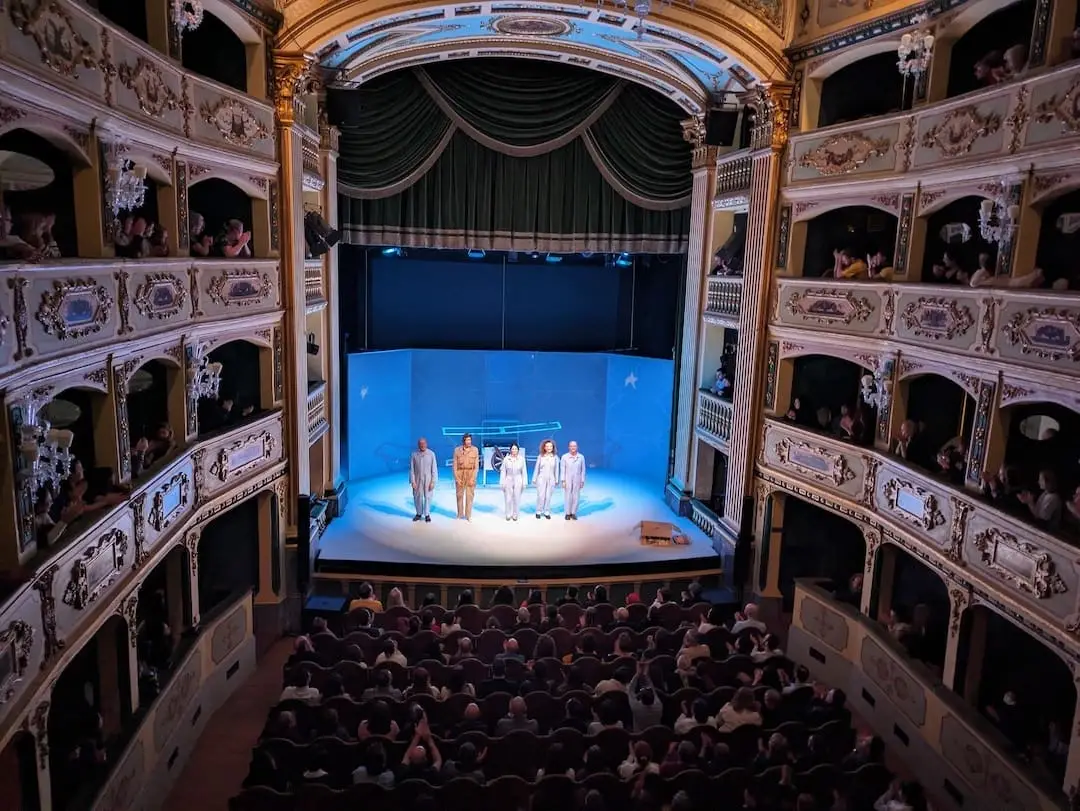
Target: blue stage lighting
[[391, 251], [476, 254], [553, 258], [624, 260]]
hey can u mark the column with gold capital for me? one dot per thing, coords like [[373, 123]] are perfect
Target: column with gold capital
[[772, 106], [292, 79], [698, 253]]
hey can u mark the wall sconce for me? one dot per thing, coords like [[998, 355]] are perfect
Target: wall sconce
[[876, 389], [203, 377], [125, 182], [187, 15], [46, 455], [999, 217], [915, 50]]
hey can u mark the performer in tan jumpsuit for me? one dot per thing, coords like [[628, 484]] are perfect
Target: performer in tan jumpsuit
[[466, 465]]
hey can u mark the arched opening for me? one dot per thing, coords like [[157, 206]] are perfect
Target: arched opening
[[37, 182], [88, 715], [152, 391], [954, 247], [825, 397], [240, 392], [228, 555], [19, 774], [913, 602], [215, 51], [1059, 241], [996, 657], [162, 617], [224, 211], [992, 51], [817, 543], [939, 417], [845, 243], [128, 14], [868, 87]]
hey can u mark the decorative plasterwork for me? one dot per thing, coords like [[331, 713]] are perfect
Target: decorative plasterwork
[[1011, 392], [1049, 334], [43, 585], [75, 309], [241, 288], [235, 121], [905, 147], [129, 610], [913, 503], [825, 306], [95, 571], [1064, 108], [160, 296], [843, 153], [956, 134], [1022, 564], [937, 317], [138, 519], [243, 455], [817, 463], [1044, 184], [1018, 119], [169, 501], [824, 623], [16, 644], [959, 599], [153, 93], [61, 47]]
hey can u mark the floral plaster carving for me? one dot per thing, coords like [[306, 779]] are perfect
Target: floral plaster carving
[[815, 462], [804, 206], [928, 198], [198, 461], [99, 377], [957, 134], [95, 571], [1047, 333], [75, 309], [129, 610], [153, 93], [16, 645], [869, 480], [9, 114], [1010, 392], [138, 518], [889, 201], [843, 153], [1018, 119], [39, 723], [825, 306], [937, 317], [824, 623], [161, 296], [1064, 108], [43, 585], [888, 311], [978, 766], [959, 599], [907, 367], [986, 327], [958, 529], [61, 47], [913, 503], [1047, 183], [905, 147], [1022, 564], [235, 121]]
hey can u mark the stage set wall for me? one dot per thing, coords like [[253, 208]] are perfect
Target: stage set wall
[[617, 407]]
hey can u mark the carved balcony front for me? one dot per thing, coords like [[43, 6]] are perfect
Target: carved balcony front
[[312, 167], [733, 181], [714, 418], [1010, 563], [723, 298], [314, 287], [317, 419]]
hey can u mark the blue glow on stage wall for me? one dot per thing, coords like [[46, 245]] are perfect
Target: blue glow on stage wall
[[617, 407]]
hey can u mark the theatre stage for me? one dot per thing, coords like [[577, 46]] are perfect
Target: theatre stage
[[377, 531]]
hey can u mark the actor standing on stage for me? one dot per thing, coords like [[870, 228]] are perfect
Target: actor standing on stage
[[573, 479], [423, 473], [545, 475], [466, 464], [512, 476]]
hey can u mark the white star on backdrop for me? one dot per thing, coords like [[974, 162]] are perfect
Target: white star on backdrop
[[363, 393], [631, 380]]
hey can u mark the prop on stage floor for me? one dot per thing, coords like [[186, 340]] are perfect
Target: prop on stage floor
[[662, 533]]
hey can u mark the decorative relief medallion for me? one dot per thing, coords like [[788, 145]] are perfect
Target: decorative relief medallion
[[825, 306], [242, 288], [243, 455], [75, 309], [16, 645], [1049, 334], [153, 93], [843, 153], [95, 571], [895, 682], [235, 121], [161, 296], [169, 501], [1064, 108], [519, 25], [43, 585], [913, 503], [937, 317], [61, 47], [815, 462], [1020, 563], [824, 623], [978, 766], [957, 134]]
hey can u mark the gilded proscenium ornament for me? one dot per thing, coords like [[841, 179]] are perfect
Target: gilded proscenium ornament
[[956, 135], [292, 78], [843, 153]]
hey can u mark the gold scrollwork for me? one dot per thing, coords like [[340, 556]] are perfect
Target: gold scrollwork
[[1038, 575], [89, 577], [1065, 109], [170, 499], [817, 463], [153, 302], [913, 503], [153, 93], [242, 288], [843, 153], [235, 121], [826, 306], [959, 599], [61, 47], [75, 309], [1050, 334], [242, 455], [956, 134], [16, 644], [937, 317]]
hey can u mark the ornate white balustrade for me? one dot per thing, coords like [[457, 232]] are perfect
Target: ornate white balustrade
[[723, 299], [714, 416], [312, 167], [317, 420], [314, 290]]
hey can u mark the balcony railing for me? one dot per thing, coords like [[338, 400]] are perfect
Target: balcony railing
[[899, 696], [64, 591], [733, 172], [313, 179], [704, 518], [314, 294], [723, 299], [997, 553], [714, 416], [1035, 329], [316, 411]]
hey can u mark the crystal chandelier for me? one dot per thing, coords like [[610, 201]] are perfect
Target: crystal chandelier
[[45, 452], [125, 182], [203, 377], [877, 388], [915, 50], [999, 216], [187, 15]]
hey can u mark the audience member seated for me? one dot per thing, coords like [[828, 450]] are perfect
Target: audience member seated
[[220, 413], [748, 619], [721, 385], [37, 231], [949, 271], [200, 242], [47, 529], [878, 267], [233, 241], [148, 452], [1046, 506], [987, 276], [728, 260], [516, 719], [847, 266], [12, 246]]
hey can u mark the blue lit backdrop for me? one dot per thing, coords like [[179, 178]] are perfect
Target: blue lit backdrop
[[617, 407]]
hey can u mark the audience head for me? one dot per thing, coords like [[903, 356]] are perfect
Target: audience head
[[510, 646], [421, 679], [465, 598], [464, 645], [687, 752], [571, 592], [389, 647], [466, 755], [375, 758], [523, 616], [536, 597], [545, 648], [395, 599], [743, 700], [772, 699], [700, 710], [682, 802], [751, 611], [518, 708], [599, 594], [594, 801], [622, 614], [429, 600], [472, 712], [365, 591]]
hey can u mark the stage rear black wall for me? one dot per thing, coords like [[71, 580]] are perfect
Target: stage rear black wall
[[443, 300]]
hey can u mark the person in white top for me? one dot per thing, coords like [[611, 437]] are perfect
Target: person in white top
[[545, 476], [1047, 505], [390, 653], [513, 475], [301, 690], [740, 711], [901, 796], [748, 619], [572, 473], [639, 760]]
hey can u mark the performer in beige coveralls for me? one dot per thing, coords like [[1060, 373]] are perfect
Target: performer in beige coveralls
[[466, 465]]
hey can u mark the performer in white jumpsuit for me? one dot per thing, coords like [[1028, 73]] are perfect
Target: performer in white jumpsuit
[[423, 474], [545, 475], [512, 476], [572, 468]]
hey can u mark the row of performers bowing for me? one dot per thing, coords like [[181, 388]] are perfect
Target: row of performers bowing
[[549, 472]]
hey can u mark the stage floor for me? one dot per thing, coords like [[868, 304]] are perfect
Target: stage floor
[[377, 527]]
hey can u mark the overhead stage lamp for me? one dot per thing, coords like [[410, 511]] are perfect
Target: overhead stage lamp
[[391, 251], [624, 260], [476, 253]]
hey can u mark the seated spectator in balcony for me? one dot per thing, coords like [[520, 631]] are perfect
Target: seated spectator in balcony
[[878, 268], [77, 489], [921, 640], [159, 241], [517, 718], [373, 768], [13, 247], [728, 261], [1000, 487], [795, 412], [147, 452], [1046, 507], [200, 242], [748, 618], [1014, 62], [850, 425], [390, 653], [740, 711], [47, 530], [365, 598], [949, 271], [990, 70], [847, 266], [38, 232], [131, 239], [233, 242], [721, 386], [823, 419], [987, 276], [301, 689], [952, 460], [1072, 510]]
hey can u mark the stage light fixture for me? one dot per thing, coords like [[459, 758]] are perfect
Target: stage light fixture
[[391, 251], [476, 253], [624, 260], [320, 237], [553, 258]]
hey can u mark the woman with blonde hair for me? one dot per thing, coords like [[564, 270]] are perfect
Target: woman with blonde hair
[[545, 475]]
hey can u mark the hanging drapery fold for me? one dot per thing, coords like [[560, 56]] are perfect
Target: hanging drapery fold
[[398, 186]]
